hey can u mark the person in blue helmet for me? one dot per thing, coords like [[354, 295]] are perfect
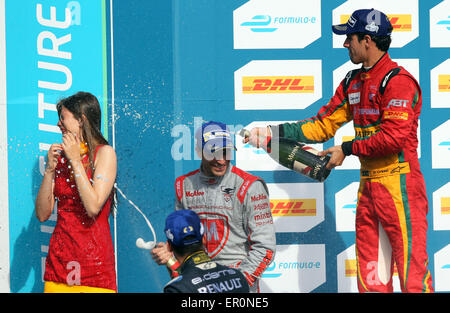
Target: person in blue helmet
[[197, 272]]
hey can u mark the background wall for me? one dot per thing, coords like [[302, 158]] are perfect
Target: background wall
[[161, 67]]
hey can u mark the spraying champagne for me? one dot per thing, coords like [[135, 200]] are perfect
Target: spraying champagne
[[296, 156]]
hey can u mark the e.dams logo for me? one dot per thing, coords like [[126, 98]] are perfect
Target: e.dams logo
[[277, 84], [399, 22], [293, 207], [444, 83]]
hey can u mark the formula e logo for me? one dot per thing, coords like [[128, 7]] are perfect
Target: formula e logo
[[440, 25], [259, 23], [270, 271], [346, 201], [440, 143], [295, 268], [442, 269], [216, 231], [268, 24], [446, 23]]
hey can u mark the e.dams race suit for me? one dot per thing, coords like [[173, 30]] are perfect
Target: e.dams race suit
[[199, 274], [384, 103], [235, 212]]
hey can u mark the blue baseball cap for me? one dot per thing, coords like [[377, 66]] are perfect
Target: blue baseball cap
[[367, 21], [213, 137], [181, 224]]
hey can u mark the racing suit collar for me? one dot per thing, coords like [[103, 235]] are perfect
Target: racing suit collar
[[195, 259], [378, 65], [212, 180]]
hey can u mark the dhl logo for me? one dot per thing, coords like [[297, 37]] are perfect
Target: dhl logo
[[445, 205], [399, 22], [278, 84], [444, 83], [351, 269], [395, 115], [293, 207]]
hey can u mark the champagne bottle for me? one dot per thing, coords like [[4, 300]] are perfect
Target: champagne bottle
[[296, 156]]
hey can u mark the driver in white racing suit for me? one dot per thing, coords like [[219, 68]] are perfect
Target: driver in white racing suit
[[233, 206]]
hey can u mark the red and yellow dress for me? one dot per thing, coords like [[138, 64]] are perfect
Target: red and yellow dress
[[81, 253]]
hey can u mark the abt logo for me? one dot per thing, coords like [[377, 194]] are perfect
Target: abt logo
[[293, 207], [398, 103], [278, 84]]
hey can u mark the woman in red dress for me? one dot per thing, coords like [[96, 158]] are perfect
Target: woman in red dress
[[80, 176]]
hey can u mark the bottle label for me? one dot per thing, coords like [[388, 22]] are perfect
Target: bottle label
[[301, 168], [312, 150], [291, 155]]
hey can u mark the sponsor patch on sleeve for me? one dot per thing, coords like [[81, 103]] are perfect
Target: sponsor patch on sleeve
[[395, 115]]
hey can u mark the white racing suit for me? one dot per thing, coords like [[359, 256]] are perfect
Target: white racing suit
[[235, 212]]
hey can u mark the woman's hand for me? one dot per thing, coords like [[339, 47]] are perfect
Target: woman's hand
[[71, 146], [52, 157]]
